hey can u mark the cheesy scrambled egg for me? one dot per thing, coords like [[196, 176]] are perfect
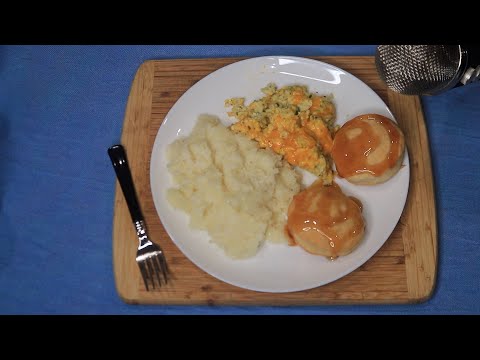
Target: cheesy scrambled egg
[[293, 123]]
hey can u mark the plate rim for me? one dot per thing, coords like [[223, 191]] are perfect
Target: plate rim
[[338, 275]]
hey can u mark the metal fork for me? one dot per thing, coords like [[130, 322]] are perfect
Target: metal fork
[[150, 257]]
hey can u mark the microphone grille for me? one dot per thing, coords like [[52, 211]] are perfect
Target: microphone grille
[[418, 69]]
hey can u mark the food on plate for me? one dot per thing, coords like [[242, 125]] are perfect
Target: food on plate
[[324, 221], [230, 187], [292, 122], [368, 149]]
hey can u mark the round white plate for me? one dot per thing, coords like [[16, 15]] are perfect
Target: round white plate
[[276, 268]]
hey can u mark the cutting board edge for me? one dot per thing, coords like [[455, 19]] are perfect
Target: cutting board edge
[[421, 266], [132, 299], [142, 84]]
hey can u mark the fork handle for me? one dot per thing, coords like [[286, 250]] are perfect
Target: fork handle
[[124, 176]]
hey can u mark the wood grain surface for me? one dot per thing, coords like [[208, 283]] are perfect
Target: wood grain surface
[[402, 271]]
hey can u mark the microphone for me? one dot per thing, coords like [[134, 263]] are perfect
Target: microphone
[[427, 69]]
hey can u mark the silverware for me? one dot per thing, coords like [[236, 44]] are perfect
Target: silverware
[[150, 257]]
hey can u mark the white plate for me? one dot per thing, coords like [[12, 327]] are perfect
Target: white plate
[[276, 268]]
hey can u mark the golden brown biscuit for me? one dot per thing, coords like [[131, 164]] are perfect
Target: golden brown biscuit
[[368, 149], [324, 221]]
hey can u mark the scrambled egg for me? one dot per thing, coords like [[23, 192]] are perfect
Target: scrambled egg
[[293, 123]]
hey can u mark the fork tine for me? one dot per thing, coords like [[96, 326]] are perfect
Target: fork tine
[[143, 271], [157, 269], [150, 271], [163, 265]]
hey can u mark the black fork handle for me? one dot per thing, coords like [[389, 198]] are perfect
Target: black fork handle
[[120, 164]]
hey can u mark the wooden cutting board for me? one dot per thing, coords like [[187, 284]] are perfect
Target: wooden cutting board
[[402, 271]]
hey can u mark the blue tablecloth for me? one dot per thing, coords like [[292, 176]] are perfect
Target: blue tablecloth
[[61, 107]]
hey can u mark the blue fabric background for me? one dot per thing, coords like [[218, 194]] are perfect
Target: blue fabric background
[[61, 107]]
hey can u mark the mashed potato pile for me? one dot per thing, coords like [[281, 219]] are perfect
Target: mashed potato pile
[[230, 187]]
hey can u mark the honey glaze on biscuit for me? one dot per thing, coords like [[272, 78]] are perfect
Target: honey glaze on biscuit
[[324, 217], [358, 147]]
